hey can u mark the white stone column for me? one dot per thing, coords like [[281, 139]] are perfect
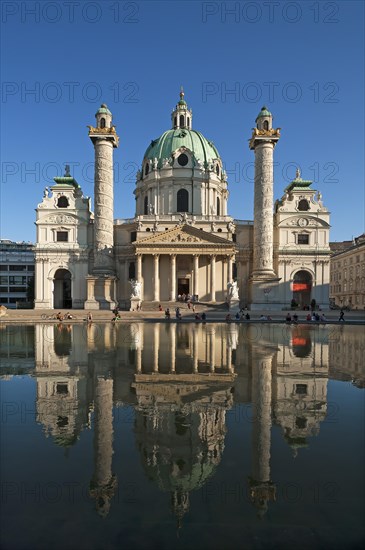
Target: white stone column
[[103, 206], [196, 274], [172, 277], [212, 278], [230, 268], [263, 211], [139, 268], [156, 282]]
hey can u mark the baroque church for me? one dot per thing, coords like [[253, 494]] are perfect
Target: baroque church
[[181, 239]]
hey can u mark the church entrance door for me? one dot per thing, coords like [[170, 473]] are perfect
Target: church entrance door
[[302, 287], [183, 286], [62, 298]]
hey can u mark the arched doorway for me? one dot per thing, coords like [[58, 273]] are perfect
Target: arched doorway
[[302, 288], [62, 298]]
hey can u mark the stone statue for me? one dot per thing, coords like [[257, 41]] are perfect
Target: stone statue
[[46, 193], [155, 162], [200, 165], [138, 176], [151, 209], [232, 291], [136, 288]]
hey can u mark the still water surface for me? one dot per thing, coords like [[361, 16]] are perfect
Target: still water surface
[[182, 436]]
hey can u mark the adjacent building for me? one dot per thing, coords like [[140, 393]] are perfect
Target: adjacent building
[[347, 285], [16, 272]]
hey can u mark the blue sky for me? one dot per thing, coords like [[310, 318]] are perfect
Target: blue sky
[[304, 60]]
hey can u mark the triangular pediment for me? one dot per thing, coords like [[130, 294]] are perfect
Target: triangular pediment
[[184, 235]]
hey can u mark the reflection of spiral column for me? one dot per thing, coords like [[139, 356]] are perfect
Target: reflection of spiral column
[[103, 483], [262, 490], [156, 346], [173, 347]]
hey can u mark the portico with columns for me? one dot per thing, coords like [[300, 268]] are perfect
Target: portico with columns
[[184, 260]]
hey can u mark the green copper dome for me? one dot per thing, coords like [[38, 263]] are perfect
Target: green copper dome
[[264, 112], [165, 145]]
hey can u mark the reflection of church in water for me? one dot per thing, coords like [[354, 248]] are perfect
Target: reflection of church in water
[[181, 381]]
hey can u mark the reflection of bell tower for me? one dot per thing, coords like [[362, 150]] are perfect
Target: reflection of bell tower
[[262, 490], [103, 484]]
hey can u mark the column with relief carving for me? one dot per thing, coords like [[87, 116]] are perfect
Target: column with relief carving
[[263, 141]]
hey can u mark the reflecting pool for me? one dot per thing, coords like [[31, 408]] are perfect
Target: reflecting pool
[[172, 435]]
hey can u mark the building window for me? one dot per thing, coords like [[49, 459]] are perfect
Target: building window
[[147, 169], [62, 202], [62, 389], [303, 238], [234, 237], [303, 205], [62, 236], [266, 125], [182, 124], [188, 122], [217, 170], [145, 206], [218, 206], [133, 236], [132, 271], [182, 200], [183, 159], [102, 123], [301, 389], [17, 267]]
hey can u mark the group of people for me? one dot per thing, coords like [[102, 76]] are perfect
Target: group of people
[[314, 316], [240, 316], [184, 298], [64, 317]]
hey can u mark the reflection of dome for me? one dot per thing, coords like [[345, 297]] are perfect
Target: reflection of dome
[[180, 451], [65, 440], [171, 140]]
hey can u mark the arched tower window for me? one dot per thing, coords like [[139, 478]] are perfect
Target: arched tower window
[[188, 122], [266, 125], [217, 170], [303, 205], [182, 122], [147, 169], [218, 206], [102, 123], [62, 202], [145, 206], [175, 121], [182, 200]]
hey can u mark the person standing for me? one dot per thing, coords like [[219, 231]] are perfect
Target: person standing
[[342, 316]]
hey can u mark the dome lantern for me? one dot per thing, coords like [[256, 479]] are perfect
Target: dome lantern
[[181, 116]]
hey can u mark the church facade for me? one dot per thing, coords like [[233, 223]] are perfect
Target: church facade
[[182, 239]]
